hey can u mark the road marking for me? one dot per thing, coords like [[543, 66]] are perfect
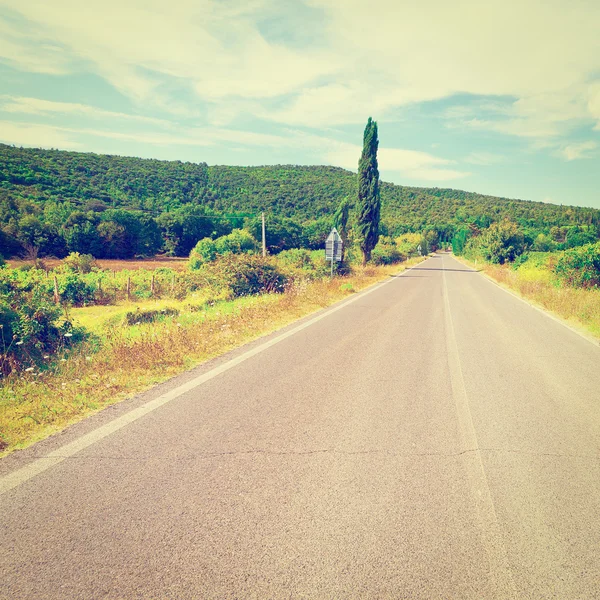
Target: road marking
[[492, 536], [20, 476]]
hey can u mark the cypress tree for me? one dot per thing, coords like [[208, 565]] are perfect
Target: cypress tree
[[368, 206]]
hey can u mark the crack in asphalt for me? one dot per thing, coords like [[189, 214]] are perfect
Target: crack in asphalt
[[233, 453]]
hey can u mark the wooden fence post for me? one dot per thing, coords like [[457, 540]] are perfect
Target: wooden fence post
[[128, 288], [152, 285], [56, 294]]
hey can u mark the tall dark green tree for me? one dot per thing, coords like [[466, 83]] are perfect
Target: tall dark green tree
[[368, 205]]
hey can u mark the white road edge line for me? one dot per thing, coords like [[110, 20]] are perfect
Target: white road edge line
[[484, 503], [20, 476]]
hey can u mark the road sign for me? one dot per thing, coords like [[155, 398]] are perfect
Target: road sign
[[419, 248], [333, 246]]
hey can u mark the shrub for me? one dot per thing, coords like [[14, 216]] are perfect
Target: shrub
[[520, 260], [308, 263], [206, 250], [580, 267], [386, 252], [459, 240], [29, 329], [245, 274], [501, 242], [74, 290], [81, 263], [407, 243], [297, 258], [203, 252], [237, 242], [543, 243]]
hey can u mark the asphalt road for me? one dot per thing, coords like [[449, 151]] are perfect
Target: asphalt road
[[434, 438]]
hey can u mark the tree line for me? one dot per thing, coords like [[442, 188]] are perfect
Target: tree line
[[54, 202]]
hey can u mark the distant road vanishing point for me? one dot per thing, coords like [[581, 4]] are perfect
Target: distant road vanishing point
[[434, 437]]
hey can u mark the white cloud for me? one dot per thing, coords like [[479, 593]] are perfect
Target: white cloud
[[369, 58], [520, 127], [594, 104], [484, 158], [544, 118], [45, 136], [215, 46], [37, 106], [30, 50], [541, 60], [412, 164], [577, 151]]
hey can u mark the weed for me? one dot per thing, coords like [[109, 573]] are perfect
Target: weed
[[138, 316]]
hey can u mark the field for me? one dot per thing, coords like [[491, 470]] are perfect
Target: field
[[175, 263]]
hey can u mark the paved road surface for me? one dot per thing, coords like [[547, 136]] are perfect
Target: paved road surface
[[436, 438]]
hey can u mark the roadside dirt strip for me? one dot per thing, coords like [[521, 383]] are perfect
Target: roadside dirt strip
[[434, 437]]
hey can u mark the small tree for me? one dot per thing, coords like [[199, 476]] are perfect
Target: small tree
[[368, 206], [501, 242]]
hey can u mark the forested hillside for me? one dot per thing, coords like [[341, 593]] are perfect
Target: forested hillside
[[55, 202]]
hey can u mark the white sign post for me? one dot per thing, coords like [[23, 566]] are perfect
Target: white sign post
[[333, 247]]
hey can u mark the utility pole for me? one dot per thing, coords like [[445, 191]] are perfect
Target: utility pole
[[264, 238]]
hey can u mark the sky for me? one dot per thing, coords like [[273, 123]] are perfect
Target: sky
[[497, 97]]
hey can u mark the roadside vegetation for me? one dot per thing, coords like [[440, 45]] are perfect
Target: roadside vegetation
[[565, 281], [74, 361]]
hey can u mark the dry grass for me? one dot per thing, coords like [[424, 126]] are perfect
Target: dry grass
[[33, 406], [579, 307], [158, 262]]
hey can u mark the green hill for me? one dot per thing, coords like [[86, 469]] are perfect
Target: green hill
[[51, 185]]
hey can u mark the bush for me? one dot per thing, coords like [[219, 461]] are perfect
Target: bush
[[386, 252], [81, 263], [501, 242], [580, 267], [520, 261], [29, 330], [459, 241], [74, 290], [237, 242], [310, 264], [543, 243], [407, 243], [206, 250], [245, 274]]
